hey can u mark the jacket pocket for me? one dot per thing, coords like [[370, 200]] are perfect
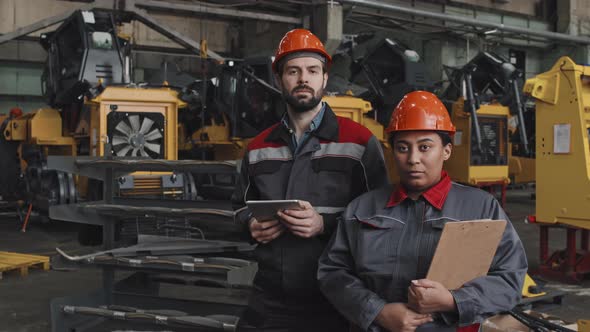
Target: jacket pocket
[[265, 167], [378, 242], [438, 224], [333, 164], [332, 179]]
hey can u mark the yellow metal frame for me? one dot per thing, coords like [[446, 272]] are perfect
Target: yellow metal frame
[[42, 127], [521, 169], [563, 179], [356, 109], [528, 283], [458, 166], [152, 100]]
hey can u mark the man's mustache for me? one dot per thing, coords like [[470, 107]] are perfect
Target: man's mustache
[[304, 88]]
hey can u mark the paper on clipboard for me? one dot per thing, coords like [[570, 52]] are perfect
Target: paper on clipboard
[[465, 251]]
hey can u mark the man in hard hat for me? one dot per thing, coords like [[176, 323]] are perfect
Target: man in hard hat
[[313, 156], [373, 271]]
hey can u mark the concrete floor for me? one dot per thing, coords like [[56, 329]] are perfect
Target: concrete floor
[[24, 302]]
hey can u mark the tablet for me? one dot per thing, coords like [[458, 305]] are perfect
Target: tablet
[[267, 210]]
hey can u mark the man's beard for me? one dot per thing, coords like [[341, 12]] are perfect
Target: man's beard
[[300, 105]]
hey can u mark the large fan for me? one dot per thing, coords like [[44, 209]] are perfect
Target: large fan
[[136, 134]]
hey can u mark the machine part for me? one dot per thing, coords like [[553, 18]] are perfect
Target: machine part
[[12, 182], [161, 312], [537, 324], [84, 52], [530, 288], [562, 130], [472, 109], [562, 154], [190, 187], [136, 134], [570, 264], [222, 271], [162, 246], [172, 181], [391, 75], [379, 71], [478, 94], [197, 323], [493, 148], [50, 187], [249, 98]]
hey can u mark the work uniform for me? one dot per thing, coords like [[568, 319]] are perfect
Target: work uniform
[[387, 239], [338, 161]]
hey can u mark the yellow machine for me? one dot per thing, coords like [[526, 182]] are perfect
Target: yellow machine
[[486, 107], [521, 169], [130, 121], [521, 163], [95, 112], [563, 164], [563, 151], [470, 166]]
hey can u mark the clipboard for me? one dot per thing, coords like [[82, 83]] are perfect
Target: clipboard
[[465, 251]]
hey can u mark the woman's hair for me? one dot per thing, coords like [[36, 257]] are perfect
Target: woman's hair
[[444, 136]]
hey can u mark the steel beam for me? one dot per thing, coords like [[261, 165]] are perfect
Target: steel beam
[[555, 36], [155, 5], [149, 21], [20, 32]]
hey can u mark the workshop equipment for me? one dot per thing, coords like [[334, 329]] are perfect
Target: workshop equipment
[[562, 97], [483, 96]]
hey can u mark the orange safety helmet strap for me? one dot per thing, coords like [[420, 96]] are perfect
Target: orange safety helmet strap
[[299, 40], [420, 110]]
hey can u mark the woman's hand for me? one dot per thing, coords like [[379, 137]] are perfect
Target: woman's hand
[[427, 296], [399, 318]]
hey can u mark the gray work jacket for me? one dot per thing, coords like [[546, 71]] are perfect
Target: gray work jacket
[[340, 161], [376, 252]]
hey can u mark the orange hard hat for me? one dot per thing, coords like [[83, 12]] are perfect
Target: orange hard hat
[[16, 112], [420, 110], [300, 40]]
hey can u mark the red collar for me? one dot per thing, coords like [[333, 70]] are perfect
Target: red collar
[[435, 195]]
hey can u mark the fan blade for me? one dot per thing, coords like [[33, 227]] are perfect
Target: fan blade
[[118, 140], [153, 135], [134, 121], [124, 128], [143, 153], [134, 152], [152, 147], [123, 151], [146, 125]]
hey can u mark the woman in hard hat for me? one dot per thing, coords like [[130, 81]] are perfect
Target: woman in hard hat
[[373, 270]]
